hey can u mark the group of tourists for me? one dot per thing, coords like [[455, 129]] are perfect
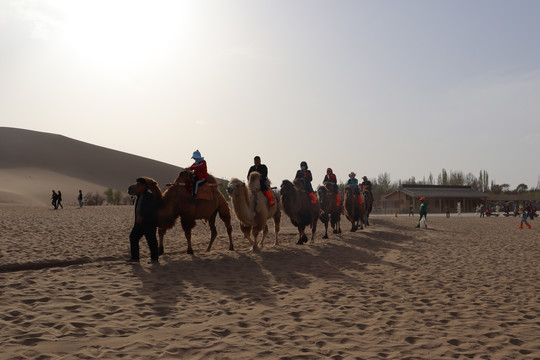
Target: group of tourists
[[146, 209], [56, 199]]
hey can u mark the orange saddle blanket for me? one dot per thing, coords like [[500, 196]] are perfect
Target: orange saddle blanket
[[205, 193]]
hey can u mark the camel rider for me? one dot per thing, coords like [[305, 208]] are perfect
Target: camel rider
[[366, 186], [200, 174], [353, 183], [263, 170], [305, 175], [330, 177]]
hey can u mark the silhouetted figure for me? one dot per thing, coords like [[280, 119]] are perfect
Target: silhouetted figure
[[80, 199], [59, 200], [145, 223], [54, 199]]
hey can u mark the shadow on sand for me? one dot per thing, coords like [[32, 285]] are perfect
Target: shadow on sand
[[254, 278]]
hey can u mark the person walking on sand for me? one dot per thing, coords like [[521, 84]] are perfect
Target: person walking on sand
[[423, 212], [80, 199], [54, 199], [411, 211], [59, 201], [524, 217], [145, 223], [447, 211]]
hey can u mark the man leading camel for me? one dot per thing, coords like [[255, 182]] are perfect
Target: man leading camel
[[263, 170], [145, 223]]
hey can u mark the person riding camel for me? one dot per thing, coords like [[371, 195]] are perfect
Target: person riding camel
[[353, 183], [305, 176], [330, 177], [200, 174], [263, 170], [366, 186]]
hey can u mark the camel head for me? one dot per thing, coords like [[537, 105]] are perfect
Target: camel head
[[150, 183], [236, 187], [323, 192]]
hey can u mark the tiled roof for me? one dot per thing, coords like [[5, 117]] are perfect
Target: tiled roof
[[441, 191]]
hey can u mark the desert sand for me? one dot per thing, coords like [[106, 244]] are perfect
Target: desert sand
[[464, 288]]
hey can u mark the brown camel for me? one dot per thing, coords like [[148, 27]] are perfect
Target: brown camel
[[176, 202], [354, 211], [253, 210], [297, 205], [330, 211], [368, 197]]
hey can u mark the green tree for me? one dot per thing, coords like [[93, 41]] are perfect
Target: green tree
[[109, 195], [521, 188], [117, 197]]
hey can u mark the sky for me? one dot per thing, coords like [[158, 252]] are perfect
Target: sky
[[404, 87]]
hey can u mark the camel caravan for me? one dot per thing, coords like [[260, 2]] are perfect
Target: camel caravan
[[195, 195]]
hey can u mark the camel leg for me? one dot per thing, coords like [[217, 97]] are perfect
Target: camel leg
[[255, 233], [246, 230], [325, 231], [277, 222], [213, 230], [225, 216], [303, 238], [187, 225], [161, 233], [265, 233], [314, 229]]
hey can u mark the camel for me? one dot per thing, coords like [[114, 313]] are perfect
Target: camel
[[253, 210], [354, 211], [330, 211], [368, 197], [297, 205], [176, 202]]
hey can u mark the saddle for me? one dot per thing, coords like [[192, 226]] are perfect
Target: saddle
[[205, 193]]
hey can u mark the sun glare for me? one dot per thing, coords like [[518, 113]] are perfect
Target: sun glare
[[124, 33]]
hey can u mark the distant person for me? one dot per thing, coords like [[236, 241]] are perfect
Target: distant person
[[59, 201], [263, 170], [80, 199], [331, 178], [353, 183], [200, 172], [423, 212], [482, 212], [524, 216], [145, 223], [411, 210], [54, 199], [532, 211], [458, 209], [447, 211], [304, 174]]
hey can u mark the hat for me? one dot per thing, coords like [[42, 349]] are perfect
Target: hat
[[352, 174], [329, 169], [364, 177], [197, 155], [422, 198]]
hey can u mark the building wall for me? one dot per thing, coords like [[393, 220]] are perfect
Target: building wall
[[400, 202]]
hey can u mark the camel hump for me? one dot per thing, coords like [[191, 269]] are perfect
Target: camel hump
[[255, 181]]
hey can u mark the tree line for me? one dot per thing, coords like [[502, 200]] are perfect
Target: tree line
[[382, 184]]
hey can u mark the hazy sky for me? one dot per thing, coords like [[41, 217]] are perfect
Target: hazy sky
[[406, 87]]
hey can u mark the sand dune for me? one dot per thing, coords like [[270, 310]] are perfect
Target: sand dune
[[32, 164], [466, 288]]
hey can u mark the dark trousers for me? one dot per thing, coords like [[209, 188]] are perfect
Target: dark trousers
[[149, 233]]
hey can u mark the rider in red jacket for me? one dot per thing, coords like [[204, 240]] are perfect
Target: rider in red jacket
[[199, 171]]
